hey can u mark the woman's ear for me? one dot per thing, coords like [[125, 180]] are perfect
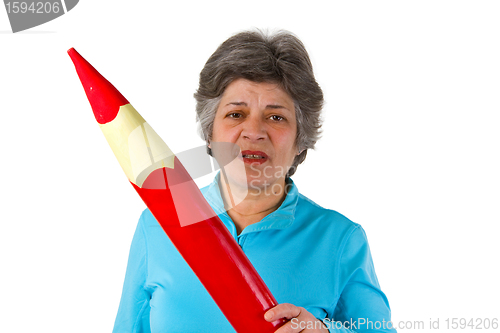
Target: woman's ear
[[209, 148]]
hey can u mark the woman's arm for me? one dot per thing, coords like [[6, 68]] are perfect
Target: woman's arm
[[134, 309], [361, 308]]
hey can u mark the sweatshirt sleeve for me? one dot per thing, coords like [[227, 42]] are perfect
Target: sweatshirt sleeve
[[362, 307], [134, 309]]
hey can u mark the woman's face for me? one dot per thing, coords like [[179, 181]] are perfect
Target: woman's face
[[260, 119]]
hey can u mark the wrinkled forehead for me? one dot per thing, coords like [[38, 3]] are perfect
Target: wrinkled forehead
[[243, 92]]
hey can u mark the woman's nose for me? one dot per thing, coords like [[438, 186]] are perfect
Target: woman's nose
[[254, 129]]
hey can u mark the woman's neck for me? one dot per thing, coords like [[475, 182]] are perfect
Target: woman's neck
[[248, 206]]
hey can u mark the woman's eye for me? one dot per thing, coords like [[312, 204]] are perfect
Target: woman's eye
[[277, 118], [234, 115]]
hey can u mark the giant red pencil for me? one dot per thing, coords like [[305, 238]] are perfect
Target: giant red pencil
[[178, 206]]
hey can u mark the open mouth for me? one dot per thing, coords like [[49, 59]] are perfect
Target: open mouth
[[254, 156]]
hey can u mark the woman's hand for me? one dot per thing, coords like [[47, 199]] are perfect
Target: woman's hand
[[298, 319]]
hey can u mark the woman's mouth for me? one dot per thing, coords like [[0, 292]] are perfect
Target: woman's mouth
[[252, 157]]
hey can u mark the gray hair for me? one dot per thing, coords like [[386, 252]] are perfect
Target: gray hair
[[256, 56]]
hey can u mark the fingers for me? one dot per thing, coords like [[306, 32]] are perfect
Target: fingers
[[284, 310], [303, 324], [298, 319]]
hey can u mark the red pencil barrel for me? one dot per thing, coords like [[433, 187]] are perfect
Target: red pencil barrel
[[210, 250], [184, 214]]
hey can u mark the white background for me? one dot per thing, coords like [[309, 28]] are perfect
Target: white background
[[410, 148]]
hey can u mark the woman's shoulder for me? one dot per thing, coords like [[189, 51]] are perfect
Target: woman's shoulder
[[147, 218], [148, 224], [313, 213]]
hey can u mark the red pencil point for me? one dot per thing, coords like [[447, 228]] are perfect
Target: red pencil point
[[104, 98]]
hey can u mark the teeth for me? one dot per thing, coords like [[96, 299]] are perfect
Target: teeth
[[253, 156]]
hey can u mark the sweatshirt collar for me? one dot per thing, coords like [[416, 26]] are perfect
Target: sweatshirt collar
[[279, 219]]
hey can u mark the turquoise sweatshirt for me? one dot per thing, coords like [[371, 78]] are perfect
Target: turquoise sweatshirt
[[307, 255]]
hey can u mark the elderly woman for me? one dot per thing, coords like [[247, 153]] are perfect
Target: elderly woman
[[258, 92]]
